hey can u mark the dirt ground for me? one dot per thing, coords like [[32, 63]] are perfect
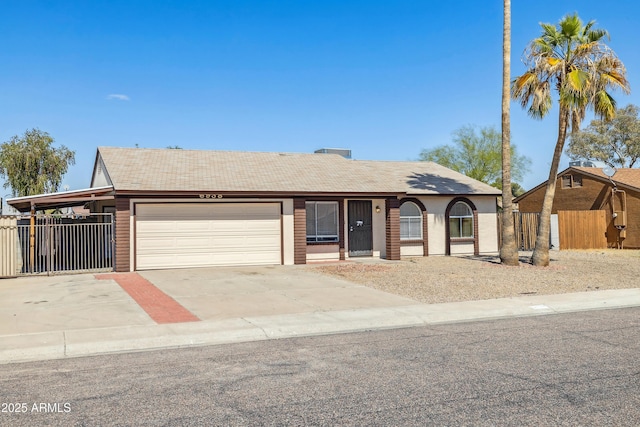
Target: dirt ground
[[437, 279]]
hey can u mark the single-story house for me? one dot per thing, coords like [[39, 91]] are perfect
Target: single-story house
[[191, 208], [589, 188]]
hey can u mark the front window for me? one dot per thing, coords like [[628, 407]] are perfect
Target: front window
[[410, 222], [322, 221], [460, 221]]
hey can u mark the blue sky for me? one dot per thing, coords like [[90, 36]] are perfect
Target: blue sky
[[383, 78]]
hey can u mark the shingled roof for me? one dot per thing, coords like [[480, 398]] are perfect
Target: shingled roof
[[624, 177], [629, 177], [171, 170]]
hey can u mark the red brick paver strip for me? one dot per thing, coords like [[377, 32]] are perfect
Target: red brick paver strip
[[158, 305]]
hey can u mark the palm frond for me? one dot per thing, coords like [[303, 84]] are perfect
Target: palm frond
[[540, 100], [571, 26], [588, 25], [615, 79], [604, 105], [521, 85], [597, 35], [586, 48], [578, 80]]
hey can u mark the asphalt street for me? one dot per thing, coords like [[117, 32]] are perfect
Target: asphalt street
[[567, 369]]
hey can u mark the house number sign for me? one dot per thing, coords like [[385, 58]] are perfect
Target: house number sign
[[211, 196]]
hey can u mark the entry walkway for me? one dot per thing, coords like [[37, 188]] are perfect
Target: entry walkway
[[69, 316]]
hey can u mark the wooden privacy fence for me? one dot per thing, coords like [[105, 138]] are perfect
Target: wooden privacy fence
[[582, 229], [525, 228]]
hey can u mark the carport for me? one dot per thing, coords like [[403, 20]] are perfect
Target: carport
[[52, 241]]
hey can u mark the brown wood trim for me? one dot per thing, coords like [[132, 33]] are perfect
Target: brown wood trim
[[341, 224], [475, 239], [195, 194], [425, 227], [299, 231], [425, 234], [122, 235], [462, 240], [392, 211], [281, 233], [476, 234]]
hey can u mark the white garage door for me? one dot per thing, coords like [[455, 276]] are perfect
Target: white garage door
[[181, 235]]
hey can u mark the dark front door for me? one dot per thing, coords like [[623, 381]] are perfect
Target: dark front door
[[360, 229]]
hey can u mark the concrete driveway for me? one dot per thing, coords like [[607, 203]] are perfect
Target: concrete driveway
[[43, 304], [231, 292]]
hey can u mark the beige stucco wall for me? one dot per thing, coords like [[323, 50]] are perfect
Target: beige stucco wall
[[379, 229], [436, 222], [287, 231], [436, 207], [323, 252], [408, 250], [461, 248], [487, 225]]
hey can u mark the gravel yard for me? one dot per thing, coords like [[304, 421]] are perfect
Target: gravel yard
[[447, 279]]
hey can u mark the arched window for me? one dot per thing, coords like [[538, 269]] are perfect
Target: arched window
[[410, 221], [460, 221]]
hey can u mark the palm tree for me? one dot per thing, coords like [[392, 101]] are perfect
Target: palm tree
[[571, 58], [508, 249]]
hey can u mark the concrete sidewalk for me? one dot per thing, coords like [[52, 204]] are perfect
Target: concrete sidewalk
[[69, 316]]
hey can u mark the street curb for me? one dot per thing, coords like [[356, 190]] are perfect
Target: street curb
[[97, 341]]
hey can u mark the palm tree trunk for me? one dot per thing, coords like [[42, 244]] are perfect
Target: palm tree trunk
[[508, 249], [541, 251]]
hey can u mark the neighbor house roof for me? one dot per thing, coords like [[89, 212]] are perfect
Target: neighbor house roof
[[629, 177], [174, 170], [624, 177]]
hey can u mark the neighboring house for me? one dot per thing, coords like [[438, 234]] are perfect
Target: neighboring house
[[188, 208], [588, 188]]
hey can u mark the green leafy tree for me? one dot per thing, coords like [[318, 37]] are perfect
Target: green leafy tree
[[615, 142], [31, 165], [508, 249], [517, 189], [478, 155], [572, 59]]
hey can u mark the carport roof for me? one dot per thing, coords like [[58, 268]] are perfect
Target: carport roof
[[62, 199], [174, 170]]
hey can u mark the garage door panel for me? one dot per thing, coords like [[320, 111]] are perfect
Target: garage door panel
[[196, 243], [195, 227], [194, 235], [164, 261]]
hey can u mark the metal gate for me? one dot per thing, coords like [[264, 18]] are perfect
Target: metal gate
[[56, 244]]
